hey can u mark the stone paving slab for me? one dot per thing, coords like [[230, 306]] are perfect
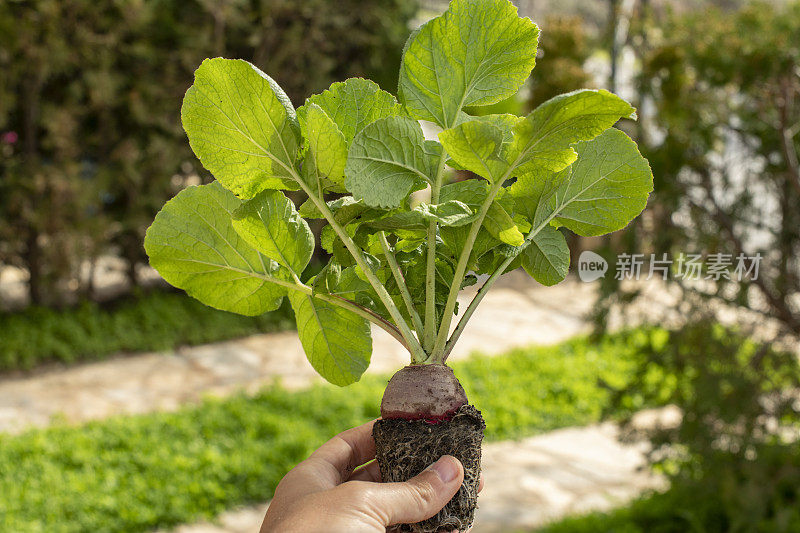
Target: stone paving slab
[[518, 312], [529, 482]]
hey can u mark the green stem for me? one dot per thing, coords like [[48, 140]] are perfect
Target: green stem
[[332, 299], [429, 335], [363, 312], [411, 342], [401, 282], [462, 323], [460, 272]]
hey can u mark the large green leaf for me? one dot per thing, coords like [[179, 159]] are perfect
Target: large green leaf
[[542, 140], [477, 53], [337, 342], [387, 161], [608, 186], [476, 146], [532, 191], [193, 245], [353, 104], [326, 144], [242, 126], [546, 258], [270, 224]]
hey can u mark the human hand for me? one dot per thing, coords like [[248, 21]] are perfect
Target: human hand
[[326, 492]]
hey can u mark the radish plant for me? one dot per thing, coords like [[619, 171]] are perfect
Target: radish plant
[[358, 153]]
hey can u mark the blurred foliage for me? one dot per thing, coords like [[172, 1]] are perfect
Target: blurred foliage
[[90, 136], [564, 48], [720, 117], [733, 461], [735, 452], [152, 471], [720, 113], [142, 322]]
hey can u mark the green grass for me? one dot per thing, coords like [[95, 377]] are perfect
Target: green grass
[[685, 509], [651, 514], [162, 469], [151, 321]]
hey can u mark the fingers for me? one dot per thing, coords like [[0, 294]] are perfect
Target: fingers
[[418, 498], [344, 452]]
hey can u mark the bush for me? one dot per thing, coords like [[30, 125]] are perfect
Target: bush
[[733, 461], [565, 47], [147, 322], [90, 137]]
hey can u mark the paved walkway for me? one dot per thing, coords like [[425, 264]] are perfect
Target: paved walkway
[[518, 312], [528, 483]]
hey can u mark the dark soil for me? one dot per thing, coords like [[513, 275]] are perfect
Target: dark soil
[[406, 447]]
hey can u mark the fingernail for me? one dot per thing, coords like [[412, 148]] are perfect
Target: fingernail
[[446, 468]]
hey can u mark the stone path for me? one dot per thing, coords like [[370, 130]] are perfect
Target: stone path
[[517, 312], [528, 483]]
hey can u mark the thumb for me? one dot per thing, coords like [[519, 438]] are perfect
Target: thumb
[[420, 497]]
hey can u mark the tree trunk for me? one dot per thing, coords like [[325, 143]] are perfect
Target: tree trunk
[[33, 262]]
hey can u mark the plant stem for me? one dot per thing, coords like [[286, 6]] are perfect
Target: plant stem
[[332, 299], [411, 342], [461, 270], [401, 282], [363, 312], [462, 323], [429, 335]]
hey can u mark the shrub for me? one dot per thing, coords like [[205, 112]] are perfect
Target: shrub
[[733, 461], [146, 322], [89, 108]]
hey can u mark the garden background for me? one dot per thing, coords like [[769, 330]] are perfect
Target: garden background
[[657, 404]]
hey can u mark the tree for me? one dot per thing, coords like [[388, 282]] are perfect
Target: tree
[[723, 145], [92, 90]]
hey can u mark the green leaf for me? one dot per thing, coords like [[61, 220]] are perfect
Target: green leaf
[[477, 53], [337, 342], [344, 209], [270, 224], [542, 140], [450, 213], [476, 146], [471, 192], [546, 258], [501, 226], [193, 245], [608, 187], [242, 127], [409, 244], [326, 144], [353, 104], [387, 161], [532, 191]]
